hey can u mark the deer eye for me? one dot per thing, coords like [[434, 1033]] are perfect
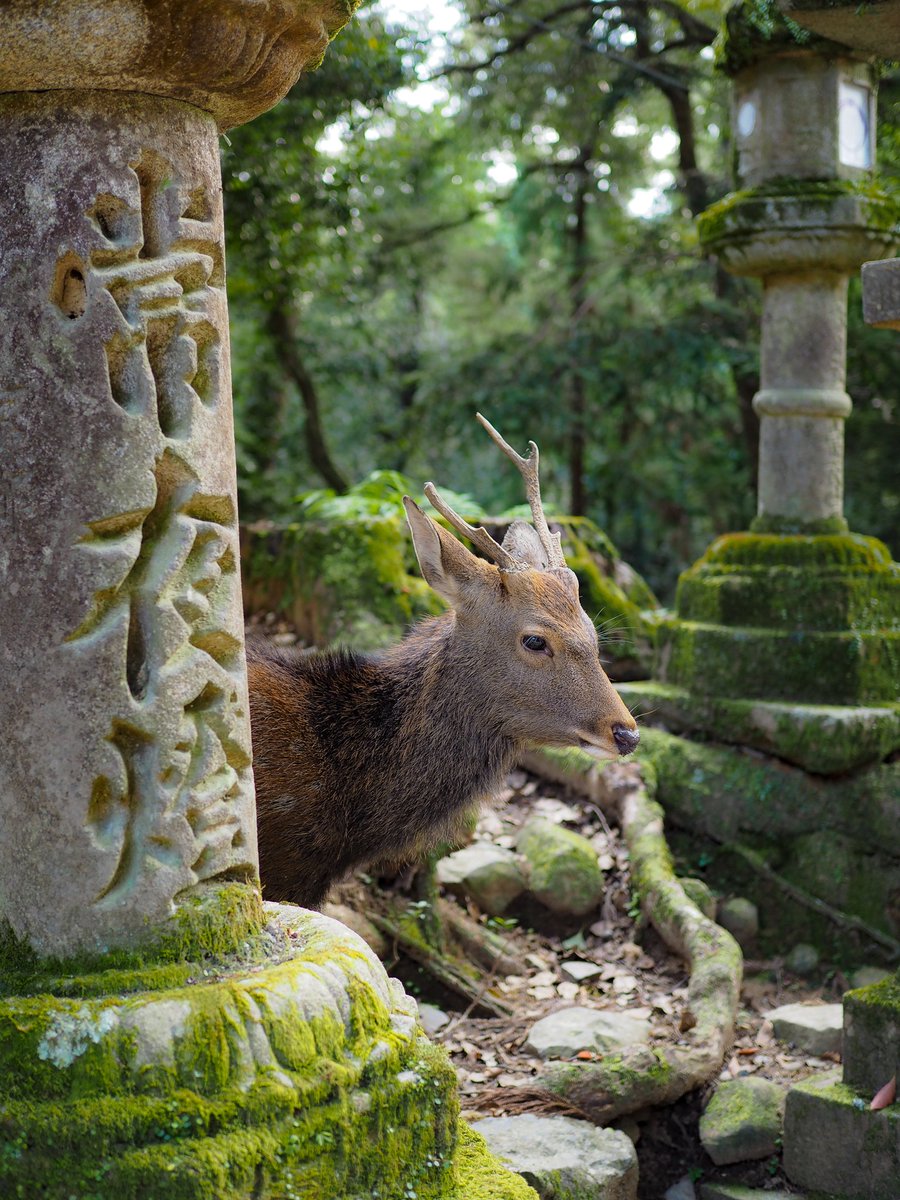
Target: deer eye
[[531, 641]]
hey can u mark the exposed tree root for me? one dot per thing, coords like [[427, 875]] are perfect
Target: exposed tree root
[[479, 943], [643, 1076], [463, 979]]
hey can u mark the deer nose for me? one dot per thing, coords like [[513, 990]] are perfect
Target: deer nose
[[626, 739]]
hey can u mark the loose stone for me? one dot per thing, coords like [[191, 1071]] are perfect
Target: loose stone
[[742, 1121], [815, 1028], [741, 918], [562, 1034], [488, 874], [564, 874], [580, 971], [682, 1190], [432, 1018], [802, 959], [565, 1159]]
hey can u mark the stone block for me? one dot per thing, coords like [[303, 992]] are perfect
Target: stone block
[[563, 872], [771, 227], [815, 1028], [737, 1191], [872, 1035], [742, 1120], [488, 874], [827, 739], [565, 1159], [881, 293], [834, 1145], [850, 667], [563, 1033]]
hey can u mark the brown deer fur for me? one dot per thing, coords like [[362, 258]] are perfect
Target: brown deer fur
[[364, 757]]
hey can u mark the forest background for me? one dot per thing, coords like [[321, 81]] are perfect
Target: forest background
[[492, 206]]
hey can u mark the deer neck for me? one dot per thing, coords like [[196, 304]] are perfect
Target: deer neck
[[446, 721]]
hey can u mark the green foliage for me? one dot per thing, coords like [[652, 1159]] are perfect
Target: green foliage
[[487, 250], [380, 494]]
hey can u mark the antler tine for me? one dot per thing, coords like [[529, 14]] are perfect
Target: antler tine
[[528, 469], [477, 536]]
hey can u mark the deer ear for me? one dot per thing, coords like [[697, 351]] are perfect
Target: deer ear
[[523, 543], [446, 564]]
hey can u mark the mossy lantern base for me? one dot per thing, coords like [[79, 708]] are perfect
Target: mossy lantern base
[[788, 643], [292, 1067]]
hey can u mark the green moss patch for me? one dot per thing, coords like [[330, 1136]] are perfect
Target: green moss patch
[[307, 1078], [799, 205], [208, 926], [477, 1175], [349, 580], [824, 739], [853, 667]]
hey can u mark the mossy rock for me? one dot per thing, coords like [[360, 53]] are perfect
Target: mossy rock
[[563, 872], [715, 796], [825, 739], [852, 667], [356, 581], [793, 582], [351, 581], [304, 1077]]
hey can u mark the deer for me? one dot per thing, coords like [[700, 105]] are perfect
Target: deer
[[360, 758]]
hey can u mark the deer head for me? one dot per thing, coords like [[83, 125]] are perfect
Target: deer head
[[529, 650]]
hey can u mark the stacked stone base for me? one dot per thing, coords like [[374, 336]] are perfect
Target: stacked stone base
[[836, 1148], [295, 1069]]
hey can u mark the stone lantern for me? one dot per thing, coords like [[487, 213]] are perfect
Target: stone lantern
[[786, 638], [832, 1140], [163, 1033]]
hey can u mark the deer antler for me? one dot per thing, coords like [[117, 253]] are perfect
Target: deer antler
[[528, 469], [477, 536]]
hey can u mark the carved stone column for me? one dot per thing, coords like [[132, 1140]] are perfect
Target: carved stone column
[[125, 782]]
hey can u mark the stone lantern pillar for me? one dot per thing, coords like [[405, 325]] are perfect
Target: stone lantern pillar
[[786, 638], [162, 1032], [832, 1140]]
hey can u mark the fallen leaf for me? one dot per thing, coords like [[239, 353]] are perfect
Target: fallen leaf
[[586, 1055], [885, 1096]]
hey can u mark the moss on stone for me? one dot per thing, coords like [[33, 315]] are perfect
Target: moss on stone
[[853, 667], [477, 1175], [563, 872], [728, 794], [347, 580], [210, 925], [356, 580], [788, 204], [827, 583], [823, 739], [297, 1080]]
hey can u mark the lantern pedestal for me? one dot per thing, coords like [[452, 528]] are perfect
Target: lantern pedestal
[[787, 638]]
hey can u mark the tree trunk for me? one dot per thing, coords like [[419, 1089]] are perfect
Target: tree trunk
[[577, 306], [282, 326]]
